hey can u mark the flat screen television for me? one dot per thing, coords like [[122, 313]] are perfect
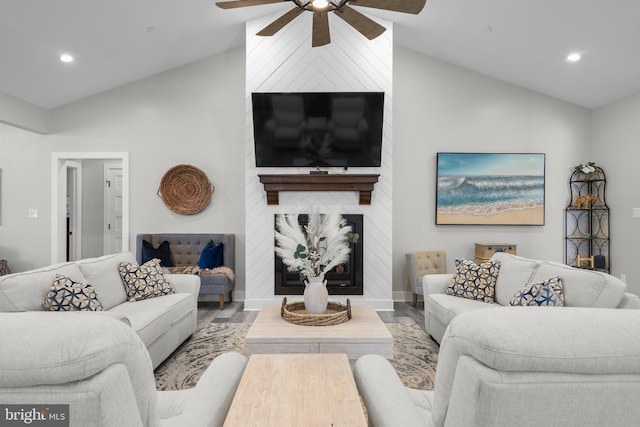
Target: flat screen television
[[319, 129]]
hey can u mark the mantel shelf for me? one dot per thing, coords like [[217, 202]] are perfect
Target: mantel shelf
[[362, 183]]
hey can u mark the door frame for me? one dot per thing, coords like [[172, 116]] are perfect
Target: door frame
[[75, 252], [58, 197]]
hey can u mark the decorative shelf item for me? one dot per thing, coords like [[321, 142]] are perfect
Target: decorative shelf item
[[362, 183], [587, 220]]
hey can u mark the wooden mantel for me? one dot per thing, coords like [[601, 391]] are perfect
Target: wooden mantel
[[362, 183]]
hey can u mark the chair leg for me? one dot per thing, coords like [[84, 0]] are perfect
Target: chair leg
[[415, 299], [230, 296], [221, 301]]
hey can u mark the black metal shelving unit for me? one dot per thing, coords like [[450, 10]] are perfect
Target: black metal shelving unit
[[587, 222]]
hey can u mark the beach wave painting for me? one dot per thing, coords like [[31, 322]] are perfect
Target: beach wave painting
[[490, 188]]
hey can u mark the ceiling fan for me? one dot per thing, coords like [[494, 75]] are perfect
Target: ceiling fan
[[321, 8]]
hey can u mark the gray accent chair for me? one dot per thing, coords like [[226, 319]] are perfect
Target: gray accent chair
[[185, 250], [518, 366]]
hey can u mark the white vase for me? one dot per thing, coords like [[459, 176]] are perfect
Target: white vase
[[316, 295]]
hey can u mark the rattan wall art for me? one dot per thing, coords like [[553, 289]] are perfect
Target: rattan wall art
[[185, 189]]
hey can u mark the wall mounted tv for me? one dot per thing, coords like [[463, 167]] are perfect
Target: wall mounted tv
[[322, 129]]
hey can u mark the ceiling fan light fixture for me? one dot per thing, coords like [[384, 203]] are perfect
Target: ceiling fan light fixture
[[320, 4]]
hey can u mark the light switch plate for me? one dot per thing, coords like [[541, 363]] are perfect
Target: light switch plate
[[636, 212], [33, 213]]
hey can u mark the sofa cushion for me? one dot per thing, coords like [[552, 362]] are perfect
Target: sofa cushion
[[547, 293], [474, 281], [151, 318], [144, 281], [446, 307], [515, 272], [68, 295], [583, 288], [162, 252], [25, 291], [102, 274]]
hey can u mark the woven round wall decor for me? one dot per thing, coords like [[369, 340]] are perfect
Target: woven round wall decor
[[185, 189]]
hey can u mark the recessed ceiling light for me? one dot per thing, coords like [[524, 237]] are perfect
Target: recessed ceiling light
[[65, 57], [573, 57]]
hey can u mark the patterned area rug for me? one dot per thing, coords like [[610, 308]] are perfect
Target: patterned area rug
[[415, 354]]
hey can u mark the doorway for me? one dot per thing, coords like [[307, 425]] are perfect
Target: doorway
[[60, 177]]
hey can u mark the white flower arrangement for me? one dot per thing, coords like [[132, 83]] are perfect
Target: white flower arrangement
[[316, 248], [588, 168]]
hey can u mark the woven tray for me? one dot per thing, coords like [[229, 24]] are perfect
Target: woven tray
[[295, 313], [185, 189]]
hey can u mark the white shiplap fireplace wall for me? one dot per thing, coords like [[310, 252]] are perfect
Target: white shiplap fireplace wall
[[286, 62]]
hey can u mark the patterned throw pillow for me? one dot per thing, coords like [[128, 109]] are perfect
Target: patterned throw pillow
[[474, 281], [67, 295], [144, 281], [547, 293]]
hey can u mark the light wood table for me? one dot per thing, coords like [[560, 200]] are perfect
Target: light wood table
[[296, 390], [363, 334]]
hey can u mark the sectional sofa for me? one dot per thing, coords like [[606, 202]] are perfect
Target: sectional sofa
[[582, 288], [163, 322]]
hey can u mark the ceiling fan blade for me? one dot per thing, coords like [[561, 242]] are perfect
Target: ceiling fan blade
[[245, 3], [279, 23], [406, 6], [367, 27], [320, 35]]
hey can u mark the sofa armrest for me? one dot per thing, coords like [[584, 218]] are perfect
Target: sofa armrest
[[208, 402], [184, 283], [387, 400], [435, 283], [630, 300]]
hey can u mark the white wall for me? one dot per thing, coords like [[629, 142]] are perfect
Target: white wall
[[440, 107], [196, 114], [615, 148]]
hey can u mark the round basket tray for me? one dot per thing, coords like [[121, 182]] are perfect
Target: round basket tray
[[295, 313], [185, 189]]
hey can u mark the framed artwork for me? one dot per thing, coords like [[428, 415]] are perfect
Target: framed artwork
[[490, 188]]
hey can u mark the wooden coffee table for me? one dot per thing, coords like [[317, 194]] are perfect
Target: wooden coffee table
[[363, 334], [296, 390]]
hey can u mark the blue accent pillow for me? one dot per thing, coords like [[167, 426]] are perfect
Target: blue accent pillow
[[547, 293], [162, 252], [474, 281], [211, 255]]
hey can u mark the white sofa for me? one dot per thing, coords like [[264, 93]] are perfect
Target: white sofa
[[518, 366], [162, 323], [100, 367], [582, 288]]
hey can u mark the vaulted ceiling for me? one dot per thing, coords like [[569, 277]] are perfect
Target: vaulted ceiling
[[116, 42]]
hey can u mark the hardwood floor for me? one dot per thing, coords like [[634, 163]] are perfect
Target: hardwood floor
[[234, 313]]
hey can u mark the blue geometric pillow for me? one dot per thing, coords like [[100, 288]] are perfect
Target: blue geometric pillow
[[474, 281], [67, 295], [211, 255], [144, 281], [547, 293]]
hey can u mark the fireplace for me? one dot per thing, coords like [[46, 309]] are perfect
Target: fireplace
[[346, 279]]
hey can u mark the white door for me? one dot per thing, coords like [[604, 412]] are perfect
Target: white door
[[113, 208]]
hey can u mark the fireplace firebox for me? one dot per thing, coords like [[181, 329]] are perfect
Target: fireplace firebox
[[345, 279]]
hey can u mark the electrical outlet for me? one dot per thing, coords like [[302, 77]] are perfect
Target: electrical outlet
[[635, 213], [623, 278], [33, 213]]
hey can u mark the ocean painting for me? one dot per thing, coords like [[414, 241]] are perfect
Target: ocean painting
[[490, 188]]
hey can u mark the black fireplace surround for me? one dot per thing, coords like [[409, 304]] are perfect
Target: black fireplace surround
[[346, 279]]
